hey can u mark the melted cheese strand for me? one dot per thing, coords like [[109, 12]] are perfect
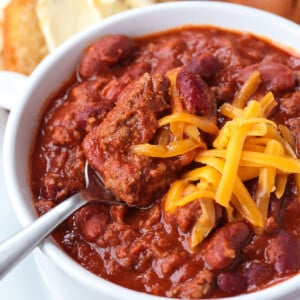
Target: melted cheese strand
[[205, 223], [280, 183], [266, 179], [209, 174], [174, 195], [243, 200], [230, 111], [163, 151], [202, 123], [192, 132], [268, 103], [248, 89], [246, 205], [198, 194], [287, 136]]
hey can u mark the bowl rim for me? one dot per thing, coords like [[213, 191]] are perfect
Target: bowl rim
[[54, 252]]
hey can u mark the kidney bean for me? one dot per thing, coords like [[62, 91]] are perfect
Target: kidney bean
[[224, 246], [257, 273], [94, 226], [167, 54], [105, 53], [283, 252], [205, 65], [275, 77], [231, 283], [196, 96]]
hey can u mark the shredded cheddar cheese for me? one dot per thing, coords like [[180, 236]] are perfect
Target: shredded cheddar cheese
[[247, 90], [202, 123], [205, 223], [174, 148], [248, 146]]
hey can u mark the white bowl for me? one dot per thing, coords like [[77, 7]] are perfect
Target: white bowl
[[59, 268]]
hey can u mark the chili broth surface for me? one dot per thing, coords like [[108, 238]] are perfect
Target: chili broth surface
[[149, 249]]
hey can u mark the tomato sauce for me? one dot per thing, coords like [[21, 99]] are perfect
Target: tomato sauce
[[148, 249]]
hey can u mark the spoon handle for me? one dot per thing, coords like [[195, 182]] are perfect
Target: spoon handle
[[15, 248]]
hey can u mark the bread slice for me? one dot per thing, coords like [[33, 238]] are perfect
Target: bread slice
[[24, 45]]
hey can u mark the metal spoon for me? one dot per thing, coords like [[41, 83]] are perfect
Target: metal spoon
[[15, 248]]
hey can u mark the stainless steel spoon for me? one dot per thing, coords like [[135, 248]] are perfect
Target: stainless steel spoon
[[15, 248]]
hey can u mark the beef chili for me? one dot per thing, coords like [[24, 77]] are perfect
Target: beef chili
[[197, 129]]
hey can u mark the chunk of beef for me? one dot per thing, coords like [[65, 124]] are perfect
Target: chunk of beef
[[290, 103], [135, 179], [196, 288], [187, 215], [164, 266], [224, 246], [116, 85], [118, 212], [44, 206], [84, 108], [114, 88], [65, 175], [107, 52]]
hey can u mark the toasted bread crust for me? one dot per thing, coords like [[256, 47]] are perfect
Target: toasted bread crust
[[24, 45]]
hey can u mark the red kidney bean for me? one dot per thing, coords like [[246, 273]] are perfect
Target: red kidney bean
[[205, 65], [94, 226], [105, 53], [224, 247], [257, 273], [232, 283], [283, 252], [196, 96], [275, 76]]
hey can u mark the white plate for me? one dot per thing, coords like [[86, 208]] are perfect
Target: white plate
[[24, 282]]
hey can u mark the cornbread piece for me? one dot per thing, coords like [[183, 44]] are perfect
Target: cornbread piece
[[23, 42]]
